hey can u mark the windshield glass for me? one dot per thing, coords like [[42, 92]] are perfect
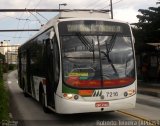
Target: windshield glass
[[97, 59]]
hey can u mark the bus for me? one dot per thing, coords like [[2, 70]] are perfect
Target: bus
[[80, 62]]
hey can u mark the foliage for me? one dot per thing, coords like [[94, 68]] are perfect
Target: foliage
[[1, 72], [4, 104], [147, 30], [2, 58]]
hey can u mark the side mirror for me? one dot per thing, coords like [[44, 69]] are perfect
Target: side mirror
[[133, 40], [49, 42], [51, 34]]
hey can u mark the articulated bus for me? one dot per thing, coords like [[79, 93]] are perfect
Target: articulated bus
[[80, 62]]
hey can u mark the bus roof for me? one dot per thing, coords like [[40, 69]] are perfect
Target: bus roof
[[68, 14], [73, 14], [82, 14]]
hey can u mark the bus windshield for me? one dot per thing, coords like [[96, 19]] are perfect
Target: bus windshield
[[96, 54]]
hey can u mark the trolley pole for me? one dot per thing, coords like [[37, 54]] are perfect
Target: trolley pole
[[111, 9]]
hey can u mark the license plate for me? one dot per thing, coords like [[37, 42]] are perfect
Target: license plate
[[102, 104]]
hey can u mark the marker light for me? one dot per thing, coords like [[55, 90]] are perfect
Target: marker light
[[76, 97], [125, 94], [129, 93]]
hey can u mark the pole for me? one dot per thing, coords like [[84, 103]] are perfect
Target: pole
[[64, 4], [7, 52], [17, 30], [48, 10], [111, 9]]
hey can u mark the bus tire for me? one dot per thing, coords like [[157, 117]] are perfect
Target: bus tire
[[42, 101]]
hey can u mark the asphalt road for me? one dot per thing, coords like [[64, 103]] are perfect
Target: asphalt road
[[28, 112]]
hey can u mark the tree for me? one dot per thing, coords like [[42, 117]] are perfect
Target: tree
[[147, 30], [2, 58]]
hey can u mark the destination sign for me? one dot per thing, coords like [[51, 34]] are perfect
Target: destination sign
[[93, 28]]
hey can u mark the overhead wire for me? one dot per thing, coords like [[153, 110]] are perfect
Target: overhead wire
[[32, 15], [18, 24], [105, 7], [92, 4], [12, 36], [112, 4], [18, 18], [36, 18], [99, 4], [28, 28], [38, 12], [42, 16], [23, 28], [117, 2]]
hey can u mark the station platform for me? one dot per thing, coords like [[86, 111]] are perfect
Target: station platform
[[148, 93], [149, 88]]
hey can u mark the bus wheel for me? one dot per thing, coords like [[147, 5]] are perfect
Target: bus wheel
[[42, 100]]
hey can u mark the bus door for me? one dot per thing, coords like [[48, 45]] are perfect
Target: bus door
[[28, 72], [49, 57]]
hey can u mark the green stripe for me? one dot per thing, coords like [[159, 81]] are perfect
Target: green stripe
[[66, 89]]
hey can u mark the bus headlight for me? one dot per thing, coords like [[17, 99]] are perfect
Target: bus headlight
[[67, 96]]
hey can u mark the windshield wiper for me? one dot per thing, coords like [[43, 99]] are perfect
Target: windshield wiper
[[86, 43], [108, 50], [110, 62], [111, 43]]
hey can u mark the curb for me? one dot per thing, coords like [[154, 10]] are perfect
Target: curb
[[145, 102], [150, 93], [148, 100]]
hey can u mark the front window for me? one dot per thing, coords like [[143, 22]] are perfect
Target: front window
[[96, 54]]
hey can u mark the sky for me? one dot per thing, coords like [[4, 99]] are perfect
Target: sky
[[125, 10]]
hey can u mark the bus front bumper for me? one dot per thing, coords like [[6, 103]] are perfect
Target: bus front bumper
[[65, 106]]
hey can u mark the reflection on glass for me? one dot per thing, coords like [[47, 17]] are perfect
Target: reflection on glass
[[82, 53]]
